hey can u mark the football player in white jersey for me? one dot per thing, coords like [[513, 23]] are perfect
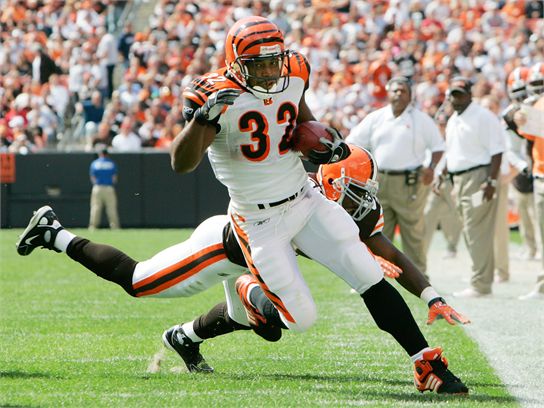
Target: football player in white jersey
[[243, 116]]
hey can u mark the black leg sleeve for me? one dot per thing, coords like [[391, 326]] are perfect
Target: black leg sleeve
[[266, 307], [105, 261], [216, 322], [391, 314]]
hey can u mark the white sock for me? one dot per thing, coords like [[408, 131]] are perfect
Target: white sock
[[189, 331], [419, 355], [63, 239], [253, 285]]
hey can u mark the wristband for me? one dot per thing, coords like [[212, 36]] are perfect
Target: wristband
[[428, 294], [436, 300]]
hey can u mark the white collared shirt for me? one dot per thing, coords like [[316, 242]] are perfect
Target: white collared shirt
[[397, 143], [472, 138]]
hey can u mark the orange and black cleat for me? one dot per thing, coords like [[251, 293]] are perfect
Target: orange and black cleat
[[431, 374]]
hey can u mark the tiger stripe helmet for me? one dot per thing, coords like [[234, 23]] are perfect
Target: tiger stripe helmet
[[354, 177], [254, 42], [535, 84], [516, 83]]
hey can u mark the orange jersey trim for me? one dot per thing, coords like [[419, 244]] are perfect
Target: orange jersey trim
[[244, 241], [203, 86], [299, 66], [180, 271], [379, 224]]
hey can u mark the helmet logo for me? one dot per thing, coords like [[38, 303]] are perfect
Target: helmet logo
[[270, 49]]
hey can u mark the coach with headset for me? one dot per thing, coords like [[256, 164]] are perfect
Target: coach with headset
[[398, 135]]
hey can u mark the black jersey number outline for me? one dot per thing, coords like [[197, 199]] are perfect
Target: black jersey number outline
[[256, 123]]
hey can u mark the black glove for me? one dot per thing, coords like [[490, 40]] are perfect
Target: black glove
[[337, 150], [208, 113]]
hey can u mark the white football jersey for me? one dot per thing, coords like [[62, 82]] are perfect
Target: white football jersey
[[250, 155]]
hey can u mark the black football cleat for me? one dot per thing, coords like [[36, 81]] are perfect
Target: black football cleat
[[176, 340], [41, 231]]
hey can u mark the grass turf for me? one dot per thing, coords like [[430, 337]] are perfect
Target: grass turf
[[68, 338]]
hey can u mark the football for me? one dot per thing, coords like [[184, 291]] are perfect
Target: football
[[307, 135]]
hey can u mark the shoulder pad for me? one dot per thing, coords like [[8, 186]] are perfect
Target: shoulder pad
[[299, 66], [203, 86]]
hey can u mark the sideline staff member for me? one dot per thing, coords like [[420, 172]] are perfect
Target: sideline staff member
[[103, 173], [474, 147], [398, 136]]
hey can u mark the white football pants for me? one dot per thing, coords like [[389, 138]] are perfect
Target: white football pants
[[191, 267], [321, 229]]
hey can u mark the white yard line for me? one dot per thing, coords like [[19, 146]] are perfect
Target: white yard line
[[509, 331]]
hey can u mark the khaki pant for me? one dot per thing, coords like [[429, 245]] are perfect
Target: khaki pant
[[103, 196], [478, 226], [527, 220], [440, 209], [539, 207], [502, 231], [403, 206]]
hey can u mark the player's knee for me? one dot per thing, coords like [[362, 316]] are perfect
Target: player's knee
[[303, 318], [366, 270]]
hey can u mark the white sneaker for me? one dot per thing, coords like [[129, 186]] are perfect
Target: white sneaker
[[470, 293], [535, 294], [501, 279], [526, 256]]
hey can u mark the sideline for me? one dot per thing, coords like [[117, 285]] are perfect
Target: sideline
[[510, 332]]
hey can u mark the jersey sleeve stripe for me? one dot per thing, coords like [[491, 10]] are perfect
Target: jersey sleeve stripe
[[194, 96]]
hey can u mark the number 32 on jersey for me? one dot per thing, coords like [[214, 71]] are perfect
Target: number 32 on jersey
[[257, 124]]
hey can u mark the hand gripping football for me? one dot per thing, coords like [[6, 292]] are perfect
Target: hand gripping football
[[307, 137]]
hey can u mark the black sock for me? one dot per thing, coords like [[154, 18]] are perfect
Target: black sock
[[216, 322], [391, 314], [266, 307], [105, 261]]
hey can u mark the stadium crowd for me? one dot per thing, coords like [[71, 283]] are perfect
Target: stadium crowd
[[57, 60]]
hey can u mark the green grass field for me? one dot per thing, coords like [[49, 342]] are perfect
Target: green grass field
[[68, 338]]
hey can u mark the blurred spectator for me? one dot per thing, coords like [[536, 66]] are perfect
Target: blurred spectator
[[43, 65], [440, 207], [501, 238], [125, 42], [107, 55], [126, 140]]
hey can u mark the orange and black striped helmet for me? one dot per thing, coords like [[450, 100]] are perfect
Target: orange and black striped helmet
[[354, 178], [255, 55]]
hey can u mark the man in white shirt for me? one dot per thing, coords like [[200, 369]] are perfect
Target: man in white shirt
[[474, 147], [126, 140], [398, 136]]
